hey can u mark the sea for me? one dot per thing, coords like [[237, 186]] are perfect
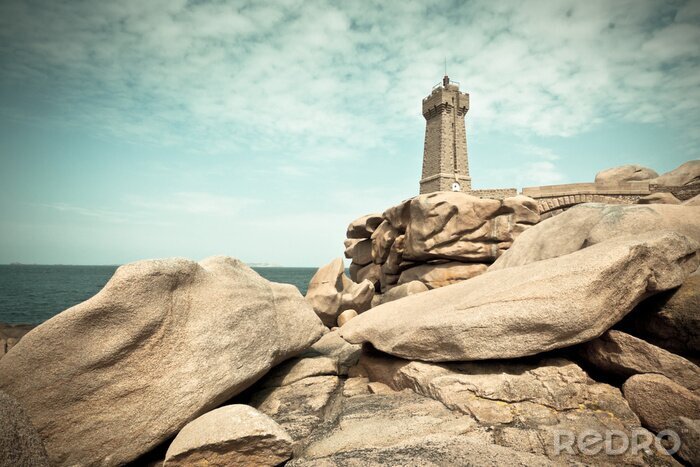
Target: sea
[[32, 294]]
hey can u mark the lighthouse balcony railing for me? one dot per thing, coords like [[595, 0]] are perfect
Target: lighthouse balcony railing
[[439, 85]]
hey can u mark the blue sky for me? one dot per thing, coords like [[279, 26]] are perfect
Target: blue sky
[[135, 129]]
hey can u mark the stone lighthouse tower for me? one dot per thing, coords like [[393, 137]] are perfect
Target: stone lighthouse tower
[[445, 165]]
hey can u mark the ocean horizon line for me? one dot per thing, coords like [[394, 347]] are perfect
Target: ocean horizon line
[[252, 265]]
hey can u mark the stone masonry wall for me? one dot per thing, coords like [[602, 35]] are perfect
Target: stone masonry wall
[[554, 199], [432, 145]]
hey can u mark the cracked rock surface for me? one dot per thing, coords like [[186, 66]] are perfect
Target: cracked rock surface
[[389, 411], [625, 355], [163, 342], [530, 309]]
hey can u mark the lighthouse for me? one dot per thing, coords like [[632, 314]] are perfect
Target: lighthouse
[[445, 164]]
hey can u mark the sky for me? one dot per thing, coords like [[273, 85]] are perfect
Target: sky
[[259, 129]]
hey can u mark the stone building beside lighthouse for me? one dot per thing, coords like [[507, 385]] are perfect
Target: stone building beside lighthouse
[[445, 159]]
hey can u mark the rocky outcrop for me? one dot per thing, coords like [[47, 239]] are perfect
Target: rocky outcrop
[[659, 198], [501, 393], [685, 174], [624, 355], [364, 226], [415, 413], [297, 394], [419, 234], [334, 347], [541, 306], [457, 226], [588, 224], [440, 275], [331, 292], [232, 435], [624, 173], [20, 444], [382, 240], [396, 412], [403, 428], [657, 400], [485, 376], [359, 249], [162, 343], [670, 319], [329, 356], [298, 407], [371, 273]]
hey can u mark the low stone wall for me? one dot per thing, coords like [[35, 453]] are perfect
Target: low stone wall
[[632, 188], [683, 183], [552, 200]]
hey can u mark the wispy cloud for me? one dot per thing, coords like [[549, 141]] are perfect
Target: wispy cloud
[[539, 152], [104, 214], [157, 210], [194, 203], [304, 76], [541, 173], [292, 170], [540, 169]]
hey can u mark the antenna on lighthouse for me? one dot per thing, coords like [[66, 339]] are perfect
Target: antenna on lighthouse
[[445, 79]]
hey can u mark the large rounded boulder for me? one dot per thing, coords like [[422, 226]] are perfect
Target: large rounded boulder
[[461, 227], [530, 309], [592, 223], [683, 175], [162, 343], [624, 173]]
